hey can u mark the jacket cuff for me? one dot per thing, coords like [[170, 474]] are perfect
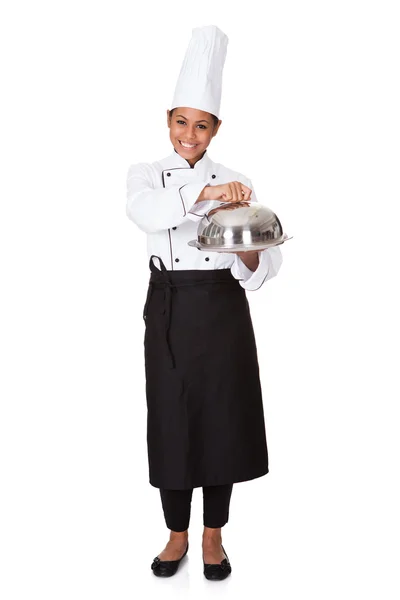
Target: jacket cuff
[[189, 194], [251, 280]]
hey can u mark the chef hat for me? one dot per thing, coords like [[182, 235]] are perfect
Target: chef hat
[[199, 83]]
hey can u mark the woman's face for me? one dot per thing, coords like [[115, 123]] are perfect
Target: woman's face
[[191, 131]]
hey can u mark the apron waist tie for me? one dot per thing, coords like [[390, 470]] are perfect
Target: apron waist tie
[[168, 289]]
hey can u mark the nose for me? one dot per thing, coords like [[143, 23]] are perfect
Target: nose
[[192, 133]]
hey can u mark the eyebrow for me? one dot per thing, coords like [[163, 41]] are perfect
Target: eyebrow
[[201, 121]]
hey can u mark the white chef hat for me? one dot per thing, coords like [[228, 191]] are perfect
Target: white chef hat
[[199, 83]]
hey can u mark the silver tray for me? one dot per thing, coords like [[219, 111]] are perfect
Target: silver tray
[[242, 247]]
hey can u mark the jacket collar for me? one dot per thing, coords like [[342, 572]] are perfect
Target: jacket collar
[[176, 161]]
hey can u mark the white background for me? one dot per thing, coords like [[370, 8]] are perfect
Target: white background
[[310, 112]]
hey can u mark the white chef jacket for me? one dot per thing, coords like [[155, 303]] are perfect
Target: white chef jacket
[[161, 199]]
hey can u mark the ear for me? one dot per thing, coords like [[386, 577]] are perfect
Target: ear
[[216, 128]]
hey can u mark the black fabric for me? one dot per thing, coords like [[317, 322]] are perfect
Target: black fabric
[[205, 423], [177, 506], [216, 501]]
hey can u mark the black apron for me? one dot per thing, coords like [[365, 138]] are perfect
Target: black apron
[[205, 418]]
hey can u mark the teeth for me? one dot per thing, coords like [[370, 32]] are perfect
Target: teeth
[[188, 145]]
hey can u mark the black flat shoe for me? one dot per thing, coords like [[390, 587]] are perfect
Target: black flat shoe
[[218, 571], [167, 568]]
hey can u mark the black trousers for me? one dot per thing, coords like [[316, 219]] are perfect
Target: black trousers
[[177, 504]]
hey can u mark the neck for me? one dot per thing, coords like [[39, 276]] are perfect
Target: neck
[[192, 161]]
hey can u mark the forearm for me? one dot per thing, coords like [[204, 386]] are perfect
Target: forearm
[[159, 209], [250, 259]]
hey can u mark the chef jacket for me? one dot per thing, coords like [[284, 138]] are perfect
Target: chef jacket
[[161, 201]]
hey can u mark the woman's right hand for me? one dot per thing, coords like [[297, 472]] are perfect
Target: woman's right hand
[[234, 191]]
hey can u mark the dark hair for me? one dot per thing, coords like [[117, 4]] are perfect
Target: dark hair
[[213, 116]]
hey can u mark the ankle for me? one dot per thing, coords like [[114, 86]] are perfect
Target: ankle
[[212, 535], [178, 535]]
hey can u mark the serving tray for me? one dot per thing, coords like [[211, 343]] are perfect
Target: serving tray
[[241, 247]]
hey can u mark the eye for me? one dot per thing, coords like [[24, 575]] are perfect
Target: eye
[[203, 126], [181, 122]]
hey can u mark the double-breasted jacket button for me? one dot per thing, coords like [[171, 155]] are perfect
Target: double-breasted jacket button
[[207, 258], [168, 174], [213, 176], [177, 260], [174, 228]]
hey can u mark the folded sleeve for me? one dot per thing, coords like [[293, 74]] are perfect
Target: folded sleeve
[[270, 261], [157, 209]]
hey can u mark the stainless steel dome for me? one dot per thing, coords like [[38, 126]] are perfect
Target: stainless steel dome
[[239, 226]]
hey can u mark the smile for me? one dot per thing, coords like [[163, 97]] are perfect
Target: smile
[[187, 145]]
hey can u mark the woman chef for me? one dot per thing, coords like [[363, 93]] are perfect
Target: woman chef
[[205, 414]]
